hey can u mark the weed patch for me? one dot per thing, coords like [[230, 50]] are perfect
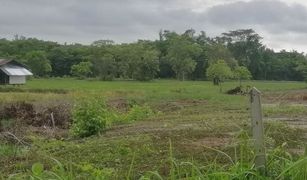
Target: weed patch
[[137, 113], [90, 116]]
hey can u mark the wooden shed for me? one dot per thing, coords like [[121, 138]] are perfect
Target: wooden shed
[[13, 72]]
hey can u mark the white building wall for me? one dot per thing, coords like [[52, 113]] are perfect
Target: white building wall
[[17, 80]]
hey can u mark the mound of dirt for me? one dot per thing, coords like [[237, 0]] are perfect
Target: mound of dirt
[[239, 90], [23, 113]]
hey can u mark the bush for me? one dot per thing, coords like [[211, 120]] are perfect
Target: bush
[[137, 113], [90, 116]]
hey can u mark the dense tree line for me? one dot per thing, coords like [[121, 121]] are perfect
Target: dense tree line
[[182, 56]]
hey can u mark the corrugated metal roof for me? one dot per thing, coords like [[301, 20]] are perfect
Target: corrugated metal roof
[[13, 70]]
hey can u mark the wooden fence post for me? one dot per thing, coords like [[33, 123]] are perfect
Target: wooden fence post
[[257, 129]]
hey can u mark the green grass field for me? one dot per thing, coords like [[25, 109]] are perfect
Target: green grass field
[[193, 116]]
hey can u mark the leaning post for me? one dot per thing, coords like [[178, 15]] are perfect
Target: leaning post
[[258, 130]]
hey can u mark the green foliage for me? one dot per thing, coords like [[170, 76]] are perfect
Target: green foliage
[[245, 45], [37, 169], [218, 51], [302, 68], [147, 66], [174, 55], [82, 70], [9, 150], [59, 171], [105, 67], [137, 113], [196, 115], [90, 116], [242, 73], [280, 165], [140, 61], [219, 72], [64, 57], [181, 55], [38, 63]]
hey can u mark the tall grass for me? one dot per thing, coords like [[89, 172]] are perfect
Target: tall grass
[[280, 165]]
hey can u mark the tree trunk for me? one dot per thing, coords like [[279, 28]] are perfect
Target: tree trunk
[[216, 81]]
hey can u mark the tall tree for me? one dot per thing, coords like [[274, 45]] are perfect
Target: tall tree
[[181, 55], [246, 47], [105, 67], [138, 61], [218, 51], [38, 63], [63, 58]]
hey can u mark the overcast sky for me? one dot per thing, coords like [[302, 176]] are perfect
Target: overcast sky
[[282, 23]]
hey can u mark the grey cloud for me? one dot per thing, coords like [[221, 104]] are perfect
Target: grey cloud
[[274, 16], [121, 20], [129, 20]]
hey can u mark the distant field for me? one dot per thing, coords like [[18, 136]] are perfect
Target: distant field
[[159, 89], [65, 83], [191, 114]]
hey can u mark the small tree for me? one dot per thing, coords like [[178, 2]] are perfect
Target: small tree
[[82, 70], [90, 116], [242, 73], [219, 72]]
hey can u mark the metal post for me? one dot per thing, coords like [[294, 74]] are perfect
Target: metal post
[[257, 129]]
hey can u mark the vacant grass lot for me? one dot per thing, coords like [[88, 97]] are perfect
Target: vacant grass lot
[[193, 115]]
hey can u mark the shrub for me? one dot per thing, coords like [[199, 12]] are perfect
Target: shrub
[[138, 113], [90, 116]]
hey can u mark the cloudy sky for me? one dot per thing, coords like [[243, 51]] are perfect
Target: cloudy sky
[[282, 23]]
